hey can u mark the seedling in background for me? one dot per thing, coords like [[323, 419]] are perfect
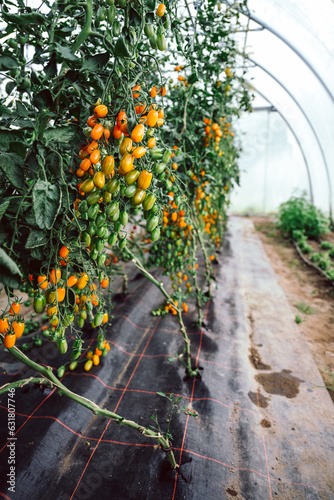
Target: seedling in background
[[298, 319]]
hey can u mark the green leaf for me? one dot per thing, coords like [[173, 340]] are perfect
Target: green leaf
[[64, 53], [61, 134], [21, 110], [94, 63], [43, 100], [3, 208], [46, 202], [10, 274], [193, 78], [12, 165], [162, 394], [24, 19], [7, 62], [36, 238]]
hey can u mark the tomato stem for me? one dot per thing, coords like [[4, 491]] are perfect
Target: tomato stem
[[49, 377]]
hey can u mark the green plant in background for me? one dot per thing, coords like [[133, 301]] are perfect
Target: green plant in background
[[298, 319], [304, 308], [299, 214]]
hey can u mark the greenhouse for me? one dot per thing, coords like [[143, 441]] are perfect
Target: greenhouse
[[166, 250]]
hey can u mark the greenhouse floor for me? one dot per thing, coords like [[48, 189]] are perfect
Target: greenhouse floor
[[265, 423]]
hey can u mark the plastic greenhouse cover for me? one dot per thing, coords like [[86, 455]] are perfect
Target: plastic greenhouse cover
[[291, 64]]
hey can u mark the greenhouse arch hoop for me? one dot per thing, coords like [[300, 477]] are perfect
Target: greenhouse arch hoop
[[309, 123], [273, 108]]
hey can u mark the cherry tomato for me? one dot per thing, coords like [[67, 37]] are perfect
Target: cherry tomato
[[10, 340], [144, 180], [101, 111], [4, 326], [108, 165], [161, 10], [125, 146], [15, 308], [138, 132]]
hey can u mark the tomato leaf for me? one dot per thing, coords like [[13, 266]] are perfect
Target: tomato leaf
[[24, 19], [3, 208], [97, 62], [43, 100], [47, 201], [36, 238], [60, 134], [7, 62], [64, 54], [10, 274], [12, 166], [21, 110]]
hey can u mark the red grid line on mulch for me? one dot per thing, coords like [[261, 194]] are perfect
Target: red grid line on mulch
[[119, 401]]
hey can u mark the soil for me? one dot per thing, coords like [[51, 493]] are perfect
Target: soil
[[310, 295]]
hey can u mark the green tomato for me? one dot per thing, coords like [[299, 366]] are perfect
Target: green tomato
[[62, 345], [155, 234], [138, 197], [73, 365], [149, 202], [61, 371], [98, 318], [39, 303], [152, 222], [112, 239], [123, 217], [113, 186], [131, 177], [130, 191]]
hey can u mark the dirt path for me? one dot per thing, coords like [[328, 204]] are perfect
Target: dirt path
[[310, 295]]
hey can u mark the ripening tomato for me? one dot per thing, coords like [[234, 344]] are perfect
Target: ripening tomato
[[91, 122], [121, 118], [10, 340], [97, 132], [80, 173], [105, 282], [161, 10], [154, 92], [4, 326], [163, 91], [18, 328], [92, 146], [126, 164], [106, 133], [152, 118], [101, 111], [108, 165], [83, 154], [53, 274], [95, 156], [88, 365], [96, 359], [124, 128], [105, 320], [144, 180], [84, 278], [117, 133], [138, 132], [42, 281], [125, 146], [63, 252], [99, 180], [72, 280], [140, 109], [15, 308], [139, 152], [136, 94], [151, 142], [61, 294]]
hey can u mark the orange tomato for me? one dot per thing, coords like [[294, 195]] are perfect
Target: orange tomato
[[83, 280], [154, 92], [140, 109], [117, 133], [163, 91], [80, 173], [53, 274], [91, 121], [95, 156], [61, 294], [161, 10], [144, 180], [105, 320], [136, 94], [106, 133], [161, 113], [15, 308], [4, 326], [96, 359], [121, 118], [72, 280], [151, 142], [138, 132], [10, 341], [97, 132], [152, 118], [92, 146], [42, 281], [18, 328], [215, 126], [105, 282], [82, 154], [101, 111], [51, 310], [139, 152], [63, 252]]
